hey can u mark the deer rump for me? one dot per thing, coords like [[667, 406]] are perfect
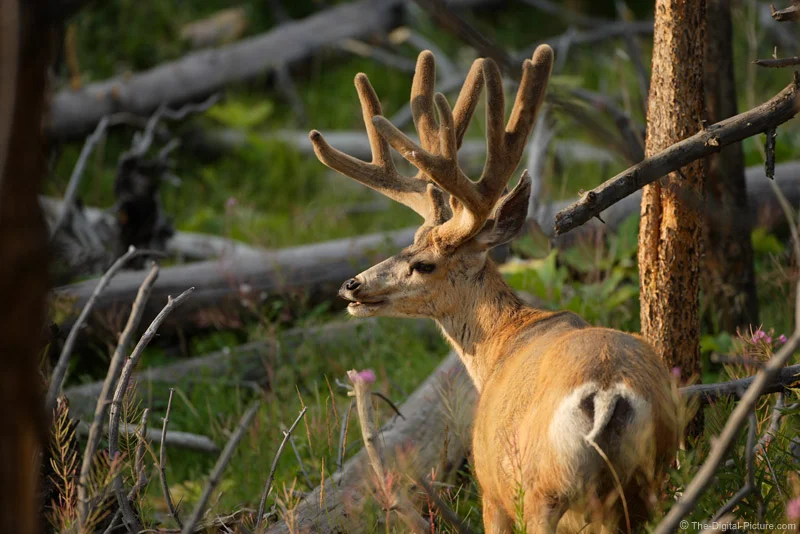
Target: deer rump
[[584, 424]]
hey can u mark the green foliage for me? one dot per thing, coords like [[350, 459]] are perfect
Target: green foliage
[[238, 114], [595, 280]]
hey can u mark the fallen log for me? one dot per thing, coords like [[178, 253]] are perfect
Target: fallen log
[[175, 438], [242, 364], [312, 273], [228, 287], [198, 74], [430, 437]]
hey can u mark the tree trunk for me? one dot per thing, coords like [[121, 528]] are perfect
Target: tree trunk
[[728, 277], [26, 39], [670, 232]]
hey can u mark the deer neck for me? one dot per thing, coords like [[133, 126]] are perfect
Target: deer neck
[[485, 322]]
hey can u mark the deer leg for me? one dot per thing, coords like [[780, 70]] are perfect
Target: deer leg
[[495, 519], [542, 514]]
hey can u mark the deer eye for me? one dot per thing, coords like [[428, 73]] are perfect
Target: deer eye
[[422, 267]]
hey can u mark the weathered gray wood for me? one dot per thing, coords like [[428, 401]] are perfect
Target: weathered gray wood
[[201, 73], [419, 437], [313, 273], [310, 273]]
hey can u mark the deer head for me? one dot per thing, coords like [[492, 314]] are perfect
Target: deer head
[[433, 276]]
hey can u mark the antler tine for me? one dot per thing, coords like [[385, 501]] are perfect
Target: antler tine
[[471, 203], [422, 88], [506, 144], [468, 99], [381, 174]]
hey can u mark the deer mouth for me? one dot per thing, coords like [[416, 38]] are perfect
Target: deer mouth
[[366, 303], [361, 306]]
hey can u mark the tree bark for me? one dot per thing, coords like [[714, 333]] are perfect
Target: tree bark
[[670, 231], [26, 44], [728, 276]]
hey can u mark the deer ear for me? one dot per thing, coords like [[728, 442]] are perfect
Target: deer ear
[[509, 217]]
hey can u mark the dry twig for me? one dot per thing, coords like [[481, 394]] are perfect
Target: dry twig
[[268, 485], [162, 464], [219, 467], [77, 174], [788, 14], [128, 515], [102, 401], [750, 483], [60, 370], [776, 63]]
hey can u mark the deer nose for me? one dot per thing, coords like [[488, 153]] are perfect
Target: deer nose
[[350, 285]]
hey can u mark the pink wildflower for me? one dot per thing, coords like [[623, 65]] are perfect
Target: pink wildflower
[[782, 339], [793, 509], [367, 375]]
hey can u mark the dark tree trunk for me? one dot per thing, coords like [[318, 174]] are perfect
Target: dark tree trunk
[[670, 233], [25, 51], [728, 277]]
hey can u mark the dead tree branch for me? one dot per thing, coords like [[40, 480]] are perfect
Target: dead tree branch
[[180, 440], [287, 434], [201, 73], [128, 515], [219, 467], [772, 113], [750, 483], [162, 464], [102, 401], [784, 378], [776, 63], [77, 174], [788, 14], [60, 370]]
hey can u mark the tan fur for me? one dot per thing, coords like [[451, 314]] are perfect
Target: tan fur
[[553, 389]]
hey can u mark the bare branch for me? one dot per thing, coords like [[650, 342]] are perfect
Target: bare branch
[[750, 484], [787, 14], [219, 467], [268, 485], [102, 401], [707, 393], [772, 113], [776, 63], [60, 370], [180, 440], [128, 516], [162, 464], [77, 174]]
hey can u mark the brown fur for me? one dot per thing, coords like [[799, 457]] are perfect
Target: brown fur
[[553, 389]]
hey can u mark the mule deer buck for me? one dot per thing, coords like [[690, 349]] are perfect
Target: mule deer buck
[[568, 414]]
